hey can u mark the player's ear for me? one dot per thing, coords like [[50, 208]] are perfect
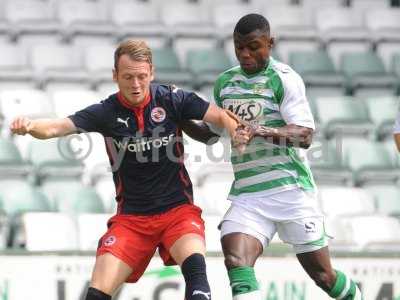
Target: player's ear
[[271, 43], [152, 68], [114, 75]]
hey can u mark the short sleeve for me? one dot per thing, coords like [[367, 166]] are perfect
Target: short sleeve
[[188, 105], [294, 107], [396, 127], [90, 119]]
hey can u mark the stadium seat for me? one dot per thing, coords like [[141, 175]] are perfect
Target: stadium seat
[[343, 115], [24, 102], [374, 165], [213, 235], [58, 186], [85, 21], [139, 19], [91, 227], [326, 167], [29, 18], [30, 228], [79, 199], [105, 188], [382, 113], [387, 198], [99, 62], [316, 68], [213, 188], [378, 233], [206, 65], [396, 69], [366, 71], [338, 201], [59, 64], [168, 68], [18, 197], [290, 22], [188, 26], [225, 16], [97, 163], [4, 228], [54, 158], [11, 162], [14, 64], [341, 30], [68, 102], [384, 24], [187, 19]]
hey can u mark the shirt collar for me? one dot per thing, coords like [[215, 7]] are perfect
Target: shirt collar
[[122, 100]]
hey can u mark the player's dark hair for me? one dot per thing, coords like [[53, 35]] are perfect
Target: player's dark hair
[[250, 23]]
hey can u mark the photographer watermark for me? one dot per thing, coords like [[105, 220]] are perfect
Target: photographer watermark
[[163, 145]]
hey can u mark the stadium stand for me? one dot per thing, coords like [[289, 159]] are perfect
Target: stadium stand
[[140, 19], [57, 57], [29, 228], [343, 116], [53, 158], [168, 67], [381, 112], [14, 67], [85, 22], [206, 64], [366, 74], [31, 21]]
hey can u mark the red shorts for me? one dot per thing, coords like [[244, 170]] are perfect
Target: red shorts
[[134, 239]]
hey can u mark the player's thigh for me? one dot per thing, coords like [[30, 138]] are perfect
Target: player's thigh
[[184, 234], [304, 234], [126, 243], [316, 262], [109, 273], [187, 245], [240, 249]]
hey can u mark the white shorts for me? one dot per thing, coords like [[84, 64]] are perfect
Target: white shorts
[[302, 228]]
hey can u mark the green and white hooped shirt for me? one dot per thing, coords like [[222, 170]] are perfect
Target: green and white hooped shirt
[[273, 97]]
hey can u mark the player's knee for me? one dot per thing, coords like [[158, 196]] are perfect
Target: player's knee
[[95, 294], [234, 261], [325, 280]]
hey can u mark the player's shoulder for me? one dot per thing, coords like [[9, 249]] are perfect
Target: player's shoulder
[[285, 72], [229, 73]]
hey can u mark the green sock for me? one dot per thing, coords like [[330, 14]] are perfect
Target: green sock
[[344, 288], [242, 280]]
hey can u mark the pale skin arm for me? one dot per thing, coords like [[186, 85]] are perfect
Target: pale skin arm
[[220, 118], [396, 137], [43, 128]]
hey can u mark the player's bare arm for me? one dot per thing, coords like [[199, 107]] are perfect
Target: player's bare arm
[[199, 131], [42, 128], [220, 118], [396, 137], [293, 135]]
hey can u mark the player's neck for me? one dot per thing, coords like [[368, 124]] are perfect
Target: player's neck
[[131, 106]]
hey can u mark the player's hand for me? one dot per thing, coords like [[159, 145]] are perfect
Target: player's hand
[[21, 125]]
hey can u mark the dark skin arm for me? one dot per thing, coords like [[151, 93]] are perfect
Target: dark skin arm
[[199, 131], [293, 135]]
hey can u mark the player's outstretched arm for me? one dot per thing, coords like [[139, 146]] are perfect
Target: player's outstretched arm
[[293, 135], [396, 137], [42, 128], [199, 131]]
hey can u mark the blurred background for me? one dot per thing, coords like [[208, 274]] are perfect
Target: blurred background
[[56, 57]]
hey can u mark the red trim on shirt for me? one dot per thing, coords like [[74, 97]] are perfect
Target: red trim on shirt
[[119, 188], [138, 110], [183, 177]]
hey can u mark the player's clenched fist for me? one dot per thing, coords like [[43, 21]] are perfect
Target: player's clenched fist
[[21, 125]]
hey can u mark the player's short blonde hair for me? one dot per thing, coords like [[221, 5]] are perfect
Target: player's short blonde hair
[[137, 50]]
